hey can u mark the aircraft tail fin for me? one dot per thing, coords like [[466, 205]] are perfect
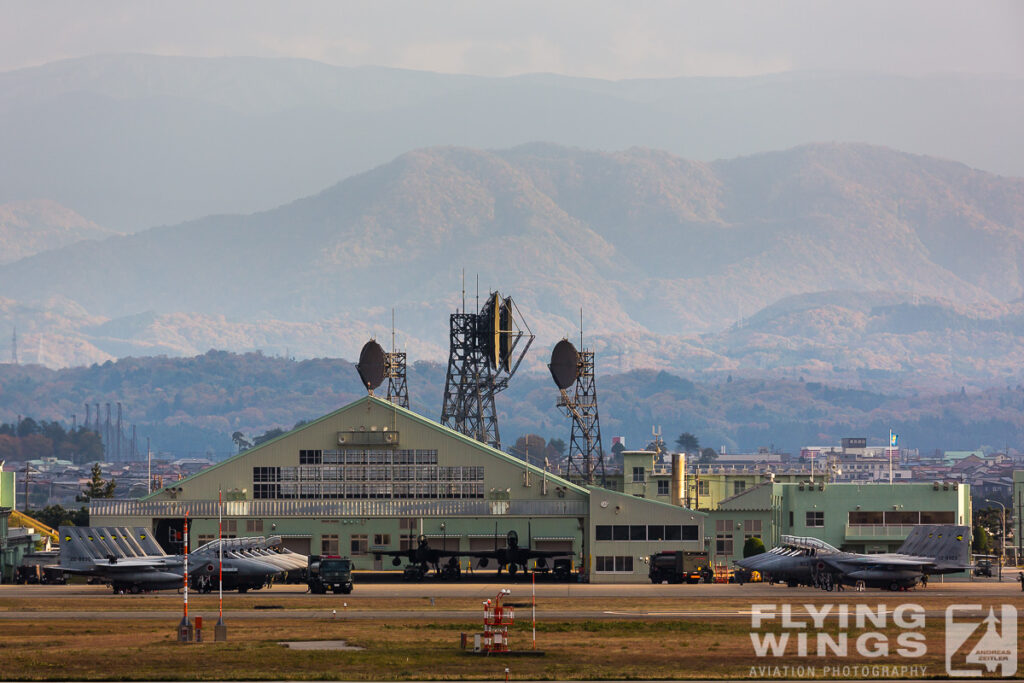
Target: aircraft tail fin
[[81, 547], [947, 544]]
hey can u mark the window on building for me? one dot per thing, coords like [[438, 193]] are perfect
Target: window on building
[[603, 532], [230, 526], [266, 473], [329, 544], [902, 517], [310, 457], [359, 544], [703, 488], [382, 540], [620, 532], [861, 517], [723, 536], [690, 532], [938, 517], [790, 519], [617, 563], [663, 487], [655, 532], [738, 487], [638, 474], [254, 526], [752, 526], [815, 518], [638, 532], [204, 539], [407, 542]]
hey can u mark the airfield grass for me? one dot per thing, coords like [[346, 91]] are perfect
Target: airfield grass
[[147, 649]]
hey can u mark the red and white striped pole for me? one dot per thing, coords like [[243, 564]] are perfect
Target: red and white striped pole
[[186, 566], [220, 561]]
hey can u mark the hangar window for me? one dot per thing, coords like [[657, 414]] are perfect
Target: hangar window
[[673, 533], [230, 526], [359, 544], [638, 474], [266, 473], [620, 532], [638, 532], [815, 518], [655, 532], [329, 544], [690, 532], [254, 525], [261, 491], [663, 487], [603, 532], [311, 457]]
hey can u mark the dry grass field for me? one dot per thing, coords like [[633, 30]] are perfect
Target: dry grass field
[[700, 633]]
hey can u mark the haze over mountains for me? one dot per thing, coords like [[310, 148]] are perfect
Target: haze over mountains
[[860, 260], [133, 141]]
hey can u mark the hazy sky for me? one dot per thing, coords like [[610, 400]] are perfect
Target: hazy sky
[[593, 38]]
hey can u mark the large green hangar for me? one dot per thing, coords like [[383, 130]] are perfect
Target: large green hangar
[[373, 476]]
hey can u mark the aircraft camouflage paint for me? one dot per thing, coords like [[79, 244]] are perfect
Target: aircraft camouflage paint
[[131, 561], [929, 549]]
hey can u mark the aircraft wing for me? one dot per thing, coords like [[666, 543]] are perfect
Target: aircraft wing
[[881, 561]]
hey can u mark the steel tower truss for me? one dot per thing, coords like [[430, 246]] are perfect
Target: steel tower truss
[[586, 456], [394, 370]]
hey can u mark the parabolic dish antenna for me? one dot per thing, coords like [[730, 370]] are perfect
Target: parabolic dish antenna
[[371, 365], [564, 364]]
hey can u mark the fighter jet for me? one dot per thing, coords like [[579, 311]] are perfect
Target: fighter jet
[[131, 561], [423, 558], [929, 549], [513, 556]]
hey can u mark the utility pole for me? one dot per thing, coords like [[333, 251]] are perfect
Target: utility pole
[[1002, 544]]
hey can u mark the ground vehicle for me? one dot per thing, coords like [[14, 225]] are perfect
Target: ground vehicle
[[983, 568], [329, 572], [676, 566]]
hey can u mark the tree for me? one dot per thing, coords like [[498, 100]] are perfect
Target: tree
[[98, 487], [240, 441], [267, 436], [53, 516], [688, 443], [707, 456], [753, 546], [557, 445], [982, 542]]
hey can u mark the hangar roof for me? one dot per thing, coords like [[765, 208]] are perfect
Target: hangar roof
[[451, 433]]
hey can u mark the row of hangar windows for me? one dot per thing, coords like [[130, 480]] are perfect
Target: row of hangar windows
[[409, 456], [380, 490], [416, 473], [646, 532]]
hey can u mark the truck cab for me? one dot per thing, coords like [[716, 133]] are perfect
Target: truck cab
[[329, 573]]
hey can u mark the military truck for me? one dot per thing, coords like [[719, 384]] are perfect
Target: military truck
[[329, 573], [676, 566]]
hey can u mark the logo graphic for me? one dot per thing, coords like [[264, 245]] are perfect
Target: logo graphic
[[981, 644]]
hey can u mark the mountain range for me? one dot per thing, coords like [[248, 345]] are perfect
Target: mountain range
[[135, 141], [826, 260]]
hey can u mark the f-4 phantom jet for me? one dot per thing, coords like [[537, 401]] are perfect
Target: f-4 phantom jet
[[131, 561], [929, 549]]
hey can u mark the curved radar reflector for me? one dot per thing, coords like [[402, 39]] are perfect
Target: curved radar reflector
[[564, 365], [371, 365]]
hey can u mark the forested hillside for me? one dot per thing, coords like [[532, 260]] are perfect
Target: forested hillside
[[194, 405]]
